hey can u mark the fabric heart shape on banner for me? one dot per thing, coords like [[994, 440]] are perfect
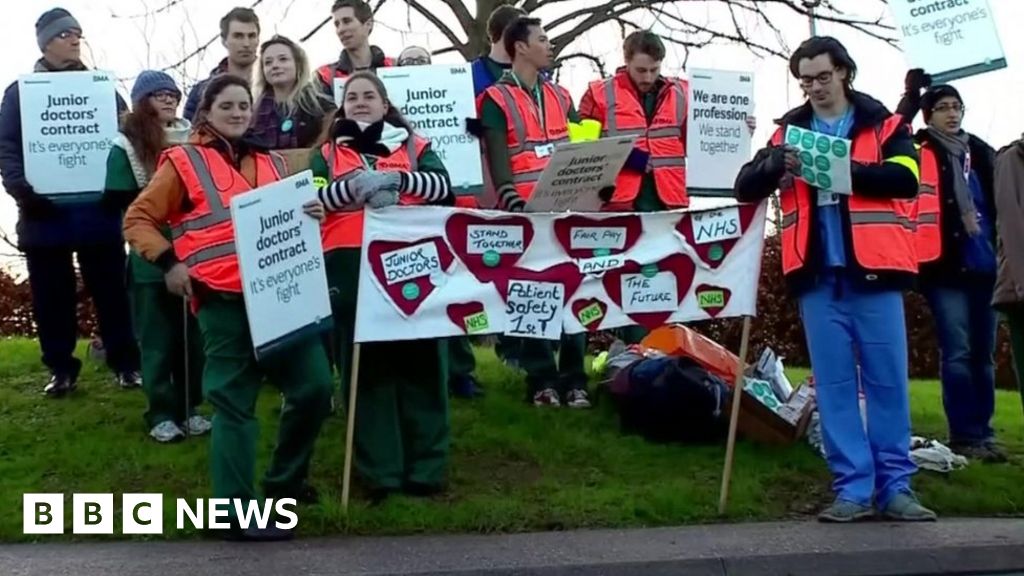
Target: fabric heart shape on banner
[[590, 313], [584, 237], [713, 233], [565, 274], [408, 271], [470, 317], [712, 299], [650, 288], [486, 245]]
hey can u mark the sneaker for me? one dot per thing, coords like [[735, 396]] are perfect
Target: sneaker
[[166, 431], [904, 507], [546, 397], [60, 384], [198, 425], [844, 511], [577, 399], [996, 453], [129, 379], [982, 452]]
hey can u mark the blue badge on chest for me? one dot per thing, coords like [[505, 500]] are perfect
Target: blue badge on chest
[[286, 126]]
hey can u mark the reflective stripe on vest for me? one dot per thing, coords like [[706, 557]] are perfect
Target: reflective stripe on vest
[[882, 230], [204, 238], [928, 239], [344, 229], [526, 134], [662, 137]]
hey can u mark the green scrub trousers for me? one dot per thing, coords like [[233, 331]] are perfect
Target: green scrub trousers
[[537, 358]]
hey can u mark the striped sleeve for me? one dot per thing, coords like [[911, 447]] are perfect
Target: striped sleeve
[[509, 199], [430, 186], [336, 195]]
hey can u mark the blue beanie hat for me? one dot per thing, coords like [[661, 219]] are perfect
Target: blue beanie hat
[[52, 23], [150, 81]]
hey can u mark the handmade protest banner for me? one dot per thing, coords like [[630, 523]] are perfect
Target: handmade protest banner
[[577, 172], [436, 100], [68, 125], [717, 137], [338, 86], [949, 39], [284, 282], [538, 275], [824, 162]]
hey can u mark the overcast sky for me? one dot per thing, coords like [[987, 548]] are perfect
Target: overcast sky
[[128, 44]]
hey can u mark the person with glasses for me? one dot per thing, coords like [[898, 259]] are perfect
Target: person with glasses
[[160, 319], [956, 246], [291, 111], [51, 234], [414, 56], [847, 258]]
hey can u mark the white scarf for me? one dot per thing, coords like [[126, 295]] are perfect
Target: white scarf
[[176, 133]]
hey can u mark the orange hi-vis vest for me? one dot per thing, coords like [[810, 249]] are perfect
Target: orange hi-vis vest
[[928, 238], [204, 238], [344, 229], [882, 230], [664, 138], [328, 72], [529, 139]]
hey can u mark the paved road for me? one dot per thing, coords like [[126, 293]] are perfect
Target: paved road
[[948, 547]]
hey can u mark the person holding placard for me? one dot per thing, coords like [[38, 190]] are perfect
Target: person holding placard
[[353, 23], [375, 160], [523, 117], [53, 232], [191, 191], [847, 257], [240, 36], [291, 110], [167, 368]]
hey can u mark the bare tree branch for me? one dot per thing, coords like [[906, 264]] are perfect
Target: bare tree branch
[[438, 23], [199, 51], [170, 4], [593, 59]]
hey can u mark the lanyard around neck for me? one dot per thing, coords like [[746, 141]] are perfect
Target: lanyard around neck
[[538, 102], [819, 125]]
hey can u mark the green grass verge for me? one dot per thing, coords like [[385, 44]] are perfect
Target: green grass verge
[[514, 468]]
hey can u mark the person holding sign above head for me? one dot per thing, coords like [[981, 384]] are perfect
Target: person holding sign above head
[[523, 116], [847, 252], [191, 191], [51, 232], [353, 23], [375, 160], [291, 111], [146, 131], [240, 35]]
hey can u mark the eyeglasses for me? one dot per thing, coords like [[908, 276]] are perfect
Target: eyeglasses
[[414, 61], [823, 78], [70, 34], [165, 95], [958, 108]]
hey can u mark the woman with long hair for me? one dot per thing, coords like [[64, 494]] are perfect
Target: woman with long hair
[[374, 159], [192, 191], [163, 325], [290, 109]]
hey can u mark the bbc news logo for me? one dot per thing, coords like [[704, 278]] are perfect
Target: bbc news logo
[[144, 513]]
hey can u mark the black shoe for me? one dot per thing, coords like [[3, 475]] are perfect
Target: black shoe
[[422, 490], [129, 379], [60, 385]]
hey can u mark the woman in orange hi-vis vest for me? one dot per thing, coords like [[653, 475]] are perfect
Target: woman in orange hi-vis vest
[[846, 256], [373, 159], [192, 191]]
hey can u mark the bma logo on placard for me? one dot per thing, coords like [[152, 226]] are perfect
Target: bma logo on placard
[[144, 513]]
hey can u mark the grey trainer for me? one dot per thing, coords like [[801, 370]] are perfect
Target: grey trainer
[[843, 511], [904, 507]]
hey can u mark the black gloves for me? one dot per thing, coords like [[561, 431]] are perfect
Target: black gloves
[[605, 194], [475, 127], [31, 204], [915, 81]]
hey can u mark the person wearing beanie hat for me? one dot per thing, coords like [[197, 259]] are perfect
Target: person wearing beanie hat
[[149, 82], [956, 245], [51, 235]]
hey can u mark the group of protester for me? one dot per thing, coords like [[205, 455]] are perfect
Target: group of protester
[[938, 211]]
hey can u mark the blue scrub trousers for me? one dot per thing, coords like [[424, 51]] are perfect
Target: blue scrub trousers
[[839, 321]]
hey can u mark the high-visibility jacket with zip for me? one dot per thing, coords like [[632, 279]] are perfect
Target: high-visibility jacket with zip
[[881, 230], [526, 133], [664, 137], [344, 229], [928, 238], [204, 237], [328, 72]]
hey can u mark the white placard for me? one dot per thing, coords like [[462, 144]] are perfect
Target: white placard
[[594, 238], [68, 126], [824, 159], [481, 239], [716, 226], [949, 39], [281, 259], [436, 100], [577, 172], [338, 85], [411, 263], [534, 309], [600, 264], [717, 136], [657, 293]]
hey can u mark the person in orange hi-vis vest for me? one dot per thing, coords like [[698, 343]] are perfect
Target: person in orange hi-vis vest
[[373, 160], [846, 258], [956, 245], [523, 116], [353, 23], [192, 191], [639, 101]]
